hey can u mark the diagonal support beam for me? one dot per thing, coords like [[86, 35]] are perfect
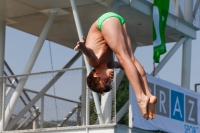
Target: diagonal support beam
[[122, 111], [80, 34], [42, 92], [68, 116], [15, 80], [168, 56], [179, 12], [119, 76], [196, 8], [29, 117], [29, 66]]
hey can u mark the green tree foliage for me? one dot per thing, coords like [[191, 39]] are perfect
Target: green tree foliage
[[93, 114]]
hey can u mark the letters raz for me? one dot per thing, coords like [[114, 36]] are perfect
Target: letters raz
[[175, 105]]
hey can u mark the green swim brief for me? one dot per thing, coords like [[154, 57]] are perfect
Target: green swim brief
[[103, 17]]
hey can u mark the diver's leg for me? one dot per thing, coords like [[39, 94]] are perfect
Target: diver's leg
[[112, 32], [142, 76]]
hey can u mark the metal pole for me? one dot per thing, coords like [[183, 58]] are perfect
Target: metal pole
[[35, 122], [186, 63], [83, 96], [169, 55], [2, 123], [196, 8], [4, 102], [9, 88], [187, 47], [79, 115], [29, 65], [87, 114], [2, 52], [80, 34], [42, 112], [79, 29]]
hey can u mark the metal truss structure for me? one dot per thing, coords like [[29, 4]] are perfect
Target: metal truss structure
[[69, 17]]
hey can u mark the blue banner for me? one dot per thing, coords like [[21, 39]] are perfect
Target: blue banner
[[177, 108]]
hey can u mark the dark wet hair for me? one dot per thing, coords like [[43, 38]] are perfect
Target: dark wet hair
[[94, 85]]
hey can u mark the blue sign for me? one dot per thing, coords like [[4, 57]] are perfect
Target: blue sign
[[177, 105]]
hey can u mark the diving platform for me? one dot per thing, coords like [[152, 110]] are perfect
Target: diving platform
[[110, 128], [30, 16]]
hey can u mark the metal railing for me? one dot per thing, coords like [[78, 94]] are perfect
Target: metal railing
[[39, 107]]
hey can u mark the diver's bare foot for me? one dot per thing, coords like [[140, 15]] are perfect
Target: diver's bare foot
[[143, 106], [151, 107]]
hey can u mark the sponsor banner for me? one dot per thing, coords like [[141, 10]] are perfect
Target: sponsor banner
[[177, 108]]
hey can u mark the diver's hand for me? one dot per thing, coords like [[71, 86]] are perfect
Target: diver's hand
[[80, 44]]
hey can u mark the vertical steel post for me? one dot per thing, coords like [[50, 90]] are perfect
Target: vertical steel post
[[35, 122], [2, 123], [80, 34], [13, 101], [87, 114], [187, 47], [83, 96], [2, 54], [42, 112]]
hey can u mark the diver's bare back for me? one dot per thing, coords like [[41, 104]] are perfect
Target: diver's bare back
[[96, 42]]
